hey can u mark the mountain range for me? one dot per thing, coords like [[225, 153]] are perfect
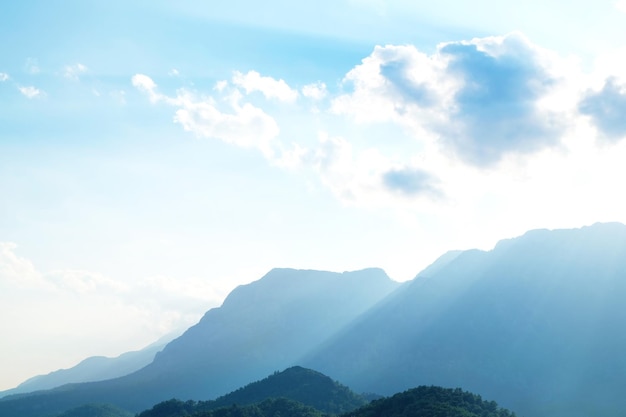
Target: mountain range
[[95, 368], [536, 324]]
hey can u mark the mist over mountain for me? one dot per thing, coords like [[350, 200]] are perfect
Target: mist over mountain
[[260, 328], [95, 368], [535, 324]]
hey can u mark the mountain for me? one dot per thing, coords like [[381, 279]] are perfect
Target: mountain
[[304, 386], [536, 323], [95, 368], [260, 327]]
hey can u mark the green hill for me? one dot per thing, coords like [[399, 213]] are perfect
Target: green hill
[[432, 402], [307, 387]]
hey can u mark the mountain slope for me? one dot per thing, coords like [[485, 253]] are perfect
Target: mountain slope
[[536, 324], [261, 327]]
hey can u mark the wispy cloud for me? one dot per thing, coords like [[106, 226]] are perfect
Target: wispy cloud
[[32, 66], [4, 76], [31, 92], [621, 5], [73, 72]]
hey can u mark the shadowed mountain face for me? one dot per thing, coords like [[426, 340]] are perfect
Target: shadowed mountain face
[[537, 324], [261, 327]]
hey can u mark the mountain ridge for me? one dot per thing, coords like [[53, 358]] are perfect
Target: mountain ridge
[[535, 323]]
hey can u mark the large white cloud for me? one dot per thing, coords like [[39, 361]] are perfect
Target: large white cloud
[[480, 99]]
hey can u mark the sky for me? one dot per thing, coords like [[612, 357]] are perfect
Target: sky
[[155, 154]]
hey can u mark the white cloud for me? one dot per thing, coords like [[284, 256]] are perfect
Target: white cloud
[[315, 91], [479, 99], [173, 72], [73, 72], [271, 88], [4, 76], [31, 92], [144, 83], [240, 124], [433, 130], [621, 5], [16, 271]]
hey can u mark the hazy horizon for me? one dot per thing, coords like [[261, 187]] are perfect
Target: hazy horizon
[[153, 155]]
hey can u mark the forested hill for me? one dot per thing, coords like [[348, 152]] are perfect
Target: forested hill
[[305, 386], [432, 402], [418, 402]]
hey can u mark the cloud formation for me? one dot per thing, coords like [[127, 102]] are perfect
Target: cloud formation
[[411, 181], [271, 88], [424, 121], [241, 124], [497, 105], [31, 92], [479, 99], [607, 109], [4, 76], [73, 72], [315, 91]]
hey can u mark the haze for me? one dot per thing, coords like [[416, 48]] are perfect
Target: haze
[[155, 155]]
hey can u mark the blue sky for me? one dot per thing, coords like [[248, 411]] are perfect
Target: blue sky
[[154, 155]]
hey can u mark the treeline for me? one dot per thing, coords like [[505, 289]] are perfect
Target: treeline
[[272, 407]]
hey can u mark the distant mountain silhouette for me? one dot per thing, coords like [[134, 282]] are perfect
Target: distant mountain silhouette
[[536, 323], [261, 327], [95, 368], [304, 386]]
